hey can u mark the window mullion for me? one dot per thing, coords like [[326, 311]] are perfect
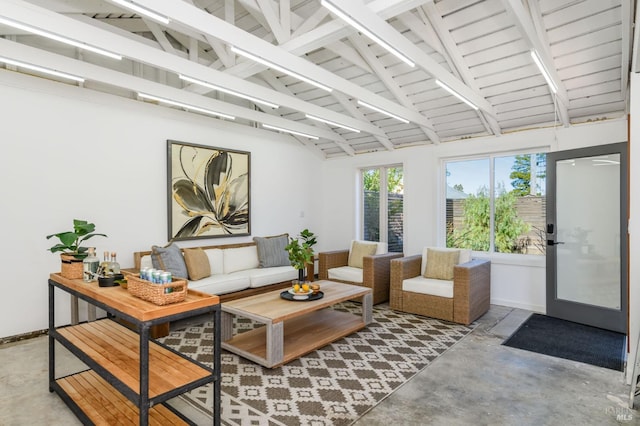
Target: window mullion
[[384, 205], [492, 210]]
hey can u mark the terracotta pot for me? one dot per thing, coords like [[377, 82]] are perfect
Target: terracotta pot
[[71, 267]]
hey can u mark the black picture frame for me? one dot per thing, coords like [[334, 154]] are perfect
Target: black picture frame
[[208, 191]]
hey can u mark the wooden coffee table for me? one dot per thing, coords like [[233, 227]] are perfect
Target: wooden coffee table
[[292, 328]]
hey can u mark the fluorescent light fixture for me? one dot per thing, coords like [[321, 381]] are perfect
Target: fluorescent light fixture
[[544, 71], [41, 69], [293, 132], [142, 10], [380, 110], [279, 68], [351, 21], [332, 123], [456, 94], [231, 92], [56, 37], [185, 106]]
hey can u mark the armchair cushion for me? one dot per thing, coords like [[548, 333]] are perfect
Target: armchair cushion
[[434, 287], [359, 249], [441, 263], [346, 273], [464, 257]]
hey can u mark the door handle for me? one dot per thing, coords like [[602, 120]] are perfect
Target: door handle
[[554, 243]]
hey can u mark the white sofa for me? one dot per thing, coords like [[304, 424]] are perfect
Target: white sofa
[[235, 271]]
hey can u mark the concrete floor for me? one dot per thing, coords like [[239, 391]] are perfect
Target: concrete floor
[[477, 382]]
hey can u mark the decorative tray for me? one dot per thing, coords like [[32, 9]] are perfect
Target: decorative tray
[[297, 297]]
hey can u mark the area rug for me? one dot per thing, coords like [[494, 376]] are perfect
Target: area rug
[[569, 340], [334, 385]]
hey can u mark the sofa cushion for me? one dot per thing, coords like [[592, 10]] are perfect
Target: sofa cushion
[[240, 258], [465, 256], [216, 261], [271, 250], [359, 249], [261, 277], [434, 287], [146, 262], [197, 263], [345, 273], [440, 264], [170, 259], [220, 284]]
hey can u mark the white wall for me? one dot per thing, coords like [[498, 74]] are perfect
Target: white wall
[[517, 281], [75, 153]]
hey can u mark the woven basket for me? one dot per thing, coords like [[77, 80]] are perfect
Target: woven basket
[[156, 293], [70, 267]]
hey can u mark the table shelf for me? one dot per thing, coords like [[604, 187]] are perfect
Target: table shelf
[[116, 349], [103, 404], [130, 376]]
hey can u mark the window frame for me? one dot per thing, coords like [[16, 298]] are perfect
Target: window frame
[[384, 201], [491, 254]]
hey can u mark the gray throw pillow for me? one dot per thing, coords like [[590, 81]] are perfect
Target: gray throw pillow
[[170, 259], [271, 250]]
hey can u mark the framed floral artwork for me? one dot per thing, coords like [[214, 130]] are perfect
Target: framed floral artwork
[[208, 191]]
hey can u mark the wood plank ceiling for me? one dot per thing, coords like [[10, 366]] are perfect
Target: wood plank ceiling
[[480, 48]]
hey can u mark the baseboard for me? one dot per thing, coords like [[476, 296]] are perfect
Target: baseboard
[[513, 304], [25, 336]]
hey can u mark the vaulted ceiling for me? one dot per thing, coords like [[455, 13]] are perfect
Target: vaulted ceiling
[[479, 48]]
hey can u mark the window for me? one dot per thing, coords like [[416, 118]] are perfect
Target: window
[[497, 204], [383, 206]]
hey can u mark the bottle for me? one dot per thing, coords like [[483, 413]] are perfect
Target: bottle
[[104, 265], [90, 266], [114, 265]]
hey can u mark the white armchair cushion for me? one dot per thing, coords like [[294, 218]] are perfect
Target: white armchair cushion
[[433, 287], [465, 256], [345, 273]]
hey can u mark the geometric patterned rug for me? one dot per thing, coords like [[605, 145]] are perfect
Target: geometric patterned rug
[[334, 385]]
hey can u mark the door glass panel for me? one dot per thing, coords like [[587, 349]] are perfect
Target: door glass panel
[[587, 208]]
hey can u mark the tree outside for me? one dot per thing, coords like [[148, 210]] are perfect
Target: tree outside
[[512, 234]]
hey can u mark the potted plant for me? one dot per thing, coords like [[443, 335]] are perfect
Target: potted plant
[[71, 251], [300, 251]]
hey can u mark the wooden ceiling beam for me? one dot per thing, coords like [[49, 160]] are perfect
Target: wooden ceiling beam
[[533, 32], [437, 23], [360, 43]]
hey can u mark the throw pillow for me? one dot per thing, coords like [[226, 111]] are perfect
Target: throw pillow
[[197, 262], [170, 259], [440, 264], [360, 249], [271, 250]]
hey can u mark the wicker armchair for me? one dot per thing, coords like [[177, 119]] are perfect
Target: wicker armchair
[[471, 291], [375, 271]]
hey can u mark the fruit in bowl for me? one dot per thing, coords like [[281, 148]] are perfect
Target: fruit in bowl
[[301, 289]]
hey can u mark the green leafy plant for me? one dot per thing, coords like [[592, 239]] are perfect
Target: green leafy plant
[[300, 250], [70, 240]]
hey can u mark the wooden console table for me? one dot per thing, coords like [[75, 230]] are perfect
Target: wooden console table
[[130, 376]]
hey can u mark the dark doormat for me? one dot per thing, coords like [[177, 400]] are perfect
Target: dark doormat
[[570, 340]]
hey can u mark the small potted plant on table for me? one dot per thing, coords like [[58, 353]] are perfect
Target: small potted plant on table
[[300, 251], [71, 252]]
